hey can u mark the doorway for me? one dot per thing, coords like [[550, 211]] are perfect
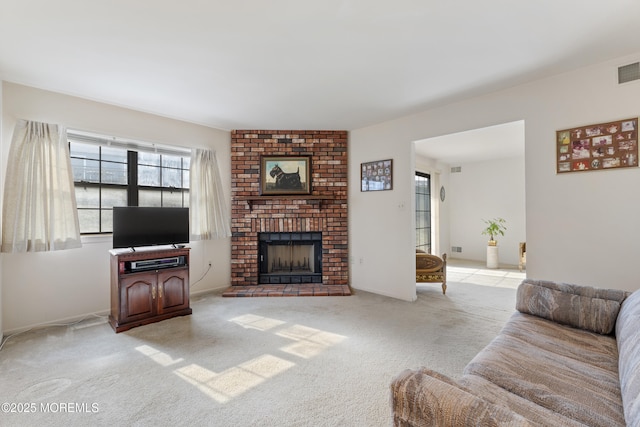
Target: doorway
[[483, 174]]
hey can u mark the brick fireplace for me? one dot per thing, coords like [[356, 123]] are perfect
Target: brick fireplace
[[323, 212]]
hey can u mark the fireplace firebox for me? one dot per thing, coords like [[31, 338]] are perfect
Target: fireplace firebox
[[290, 258]]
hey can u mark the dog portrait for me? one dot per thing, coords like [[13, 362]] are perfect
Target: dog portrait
[[285, 175]]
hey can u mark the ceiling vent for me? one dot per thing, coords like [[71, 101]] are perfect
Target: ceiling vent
[[629, 73]]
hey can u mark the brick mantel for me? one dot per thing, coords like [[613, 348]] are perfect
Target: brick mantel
[[324, 210]]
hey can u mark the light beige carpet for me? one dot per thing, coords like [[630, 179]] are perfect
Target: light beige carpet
[[307, 361]]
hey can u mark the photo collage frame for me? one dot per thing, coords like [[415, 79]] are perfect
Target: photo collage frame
[[376, 176], [602, 146]]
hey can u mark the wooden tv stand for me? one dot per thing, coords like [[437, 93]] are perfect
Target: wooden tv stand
[[147, 286]]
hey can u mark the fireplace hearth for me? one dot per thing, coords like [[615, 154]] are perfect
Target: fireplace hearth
[[286, 258]]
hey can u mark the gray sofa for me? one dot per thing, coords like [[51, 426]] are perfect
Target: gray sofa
[[569, 356]]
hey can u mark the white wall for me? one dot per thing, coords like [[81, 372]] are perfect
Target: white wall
[[378, 220], [45, 287], [580, 227], [486, 190]]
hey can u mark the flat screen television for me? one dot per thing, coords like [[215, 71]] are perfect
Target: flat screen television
[[149, 226]]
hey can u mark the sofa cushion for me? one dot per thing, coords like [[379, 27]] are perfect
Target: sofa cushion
[[581, 307], [427, 263], [585, 346], [628, 336], [553, 375]]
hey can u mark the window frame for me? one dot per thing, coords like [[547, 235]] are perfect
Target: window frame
[[131, 186], [425, 230]]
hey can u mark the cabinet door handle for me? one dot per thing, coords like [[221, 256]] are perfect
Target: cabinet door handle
[[160, 291], [153, 292]]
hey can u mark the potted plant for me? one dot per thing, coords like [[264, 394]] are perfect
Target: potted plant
[[494, 227]]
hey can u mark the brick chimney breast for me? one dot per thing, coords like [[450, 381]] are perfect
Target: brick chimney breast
[[324, 210]]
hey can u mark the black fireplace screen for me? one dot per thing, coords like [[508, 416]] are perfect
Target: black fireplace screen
[[290, 258]]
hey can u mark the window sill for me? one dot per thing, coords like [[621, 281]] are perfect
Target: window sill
[[91, 239]]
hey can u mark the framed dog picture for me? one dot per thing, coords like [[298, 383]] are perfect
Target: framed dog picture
[[281, 175]]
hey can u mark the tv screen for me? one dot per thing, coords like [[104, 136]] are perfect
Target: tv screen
[[149, 226]]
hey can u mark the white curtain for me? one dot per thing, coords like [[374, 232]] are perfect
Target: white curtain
[[39, 207], [207, 206]]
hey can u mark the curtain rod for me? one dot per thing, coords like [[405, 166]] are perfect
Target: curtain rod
[[112, 141]]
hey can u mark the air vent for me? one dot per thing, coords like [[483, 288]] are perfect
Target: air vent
[[456, 169], [629, 73], [456, 249]]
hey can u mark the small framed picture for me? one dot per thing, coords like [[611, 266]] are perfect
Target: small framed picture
[[281, 175], [376, 176]]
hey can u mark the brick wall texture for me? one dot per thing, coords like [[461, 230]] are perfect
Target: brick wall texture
[[328, 153]]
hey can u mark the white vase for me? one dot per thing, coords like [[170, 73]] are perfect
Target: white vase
[[492, 256]]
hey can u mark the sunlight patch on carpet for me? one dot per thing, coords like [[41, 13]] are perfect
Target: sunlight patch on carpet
[[306, 342], [234, 381], [485, 277], [157, 356], [309, 342], [252, 321]]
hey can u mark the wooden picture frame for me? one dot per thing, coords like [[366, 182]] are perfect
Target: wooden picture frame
[[602, 146], [282, 175], [376, 176]]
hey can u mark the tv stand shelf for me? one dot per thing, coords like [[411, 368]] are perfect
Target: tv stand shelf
[[148, 295]]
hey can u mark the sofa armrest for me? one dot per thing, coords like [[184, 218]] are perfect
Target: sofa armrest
[[426, 398], [628, 340], [582, 307]]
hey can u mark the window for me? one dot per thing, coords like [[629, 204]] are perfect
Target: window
[[423, 212], [107, 175], [163, 180]]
